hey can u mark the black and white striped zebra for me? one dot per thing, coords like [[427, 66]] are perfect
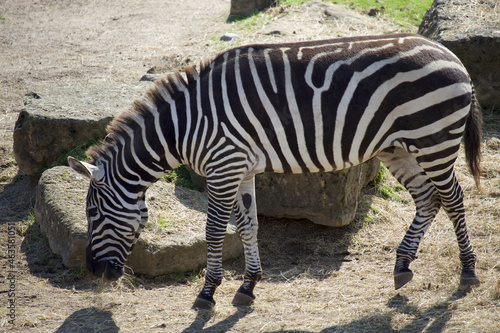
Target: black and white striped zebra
[[313, 106]]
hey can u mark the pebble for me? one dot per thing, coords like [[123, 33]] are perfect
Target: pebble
[[229, 36]]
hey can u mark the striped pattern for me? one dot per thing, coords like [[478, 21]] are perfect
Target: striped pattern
[[290, 108]]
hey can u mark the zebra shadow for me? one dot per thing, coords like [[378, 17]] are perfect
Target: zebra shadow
[[204, 316], [296, 247], [433, 319], [89, 320]]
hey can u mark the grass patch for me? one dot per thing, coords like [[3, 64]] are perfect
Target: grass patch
[[385, 189], [26, 224], [180, 176], [402, 11], [2, 17], [79, 152], [165, 223]]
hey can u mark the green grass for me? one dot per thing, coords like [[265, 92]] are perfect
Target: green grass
[[78, 152], [169, 223], [2, 17], [402, 11], [27, 223], [180, 176], [384, 189]]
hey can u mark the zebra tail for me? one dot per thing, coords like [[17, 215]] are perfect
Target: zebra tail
[[473, 137]]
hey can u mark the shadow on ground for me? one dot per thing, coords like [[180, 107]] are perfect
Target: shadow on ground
[[432, 320], [17, 198], [204, 316], [89, 320]]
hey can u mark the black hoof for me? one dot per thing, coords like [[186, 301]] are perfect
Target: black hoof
[[467, 282], [241, 299], [203, 304], [468, 279], [400, 279]]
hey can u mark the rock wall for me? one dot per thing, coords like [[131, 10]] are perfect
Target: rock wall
[[471, 30]]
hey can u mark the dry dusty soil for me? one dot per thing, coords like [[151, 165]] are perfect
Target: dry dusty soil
[[317, 279]]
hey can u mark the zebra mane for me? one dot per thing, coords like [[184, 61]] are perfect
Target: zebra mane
[[170, 87]]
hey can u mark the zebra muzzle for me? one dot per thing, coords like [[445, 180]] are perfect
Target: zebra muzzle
[[107, 269]]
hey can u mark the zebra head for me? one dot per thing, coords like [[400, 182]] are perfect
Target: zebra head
[[114, 222]]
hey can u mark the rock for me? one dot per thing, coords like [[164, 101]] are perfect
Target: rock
[[330, 20], [472, 32], [151, 77], [329, 198], [228, 37], [180, 213], [493, 143], [59, 116], [336, 13], [248, 7], [373, 12], [60, 211]]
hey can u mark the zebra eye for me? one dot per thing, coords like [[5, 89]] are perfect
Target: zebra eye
[[92, 211]]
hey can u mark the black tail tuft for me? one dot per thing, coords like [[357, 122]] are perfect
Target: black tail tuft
[[473, 137]]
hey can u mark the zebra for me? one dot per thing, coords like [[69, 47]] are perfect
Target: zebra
[[311, 106]]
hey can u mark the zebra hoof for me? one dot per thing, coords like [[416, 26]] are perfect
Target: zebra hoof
[[203, 304], [400, 279], [241, 299], [467, 282], [468, 279]]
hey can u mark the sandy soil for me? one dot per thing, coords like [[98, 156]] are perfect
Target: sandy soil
[[317, 279]]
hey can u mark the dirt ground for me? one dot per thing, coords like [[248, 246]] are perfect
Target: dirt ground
[[317, 279]]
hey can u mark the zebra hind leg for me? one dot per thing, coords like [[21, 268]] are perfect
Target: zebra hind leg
[[452, 200], [407, 171], [245, 211]]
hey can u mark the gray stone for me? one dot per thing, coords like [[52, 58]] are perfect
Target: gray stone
[[151, 77], [471, 30], [178, 247], [228, 37], [328, 198], [60, 116]]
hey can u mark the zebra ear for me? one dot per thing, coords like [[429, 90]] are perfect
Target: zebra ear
[[88, 170]]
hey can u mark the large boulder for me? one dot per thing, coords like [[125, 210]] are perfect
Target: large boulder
[[471, 30], [173, 240], [59, 116], [327, 198]]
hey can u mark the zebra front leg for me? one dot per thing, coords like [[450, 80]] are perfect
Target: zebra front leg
[[245, 211], [221, 194], [213, 275]]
